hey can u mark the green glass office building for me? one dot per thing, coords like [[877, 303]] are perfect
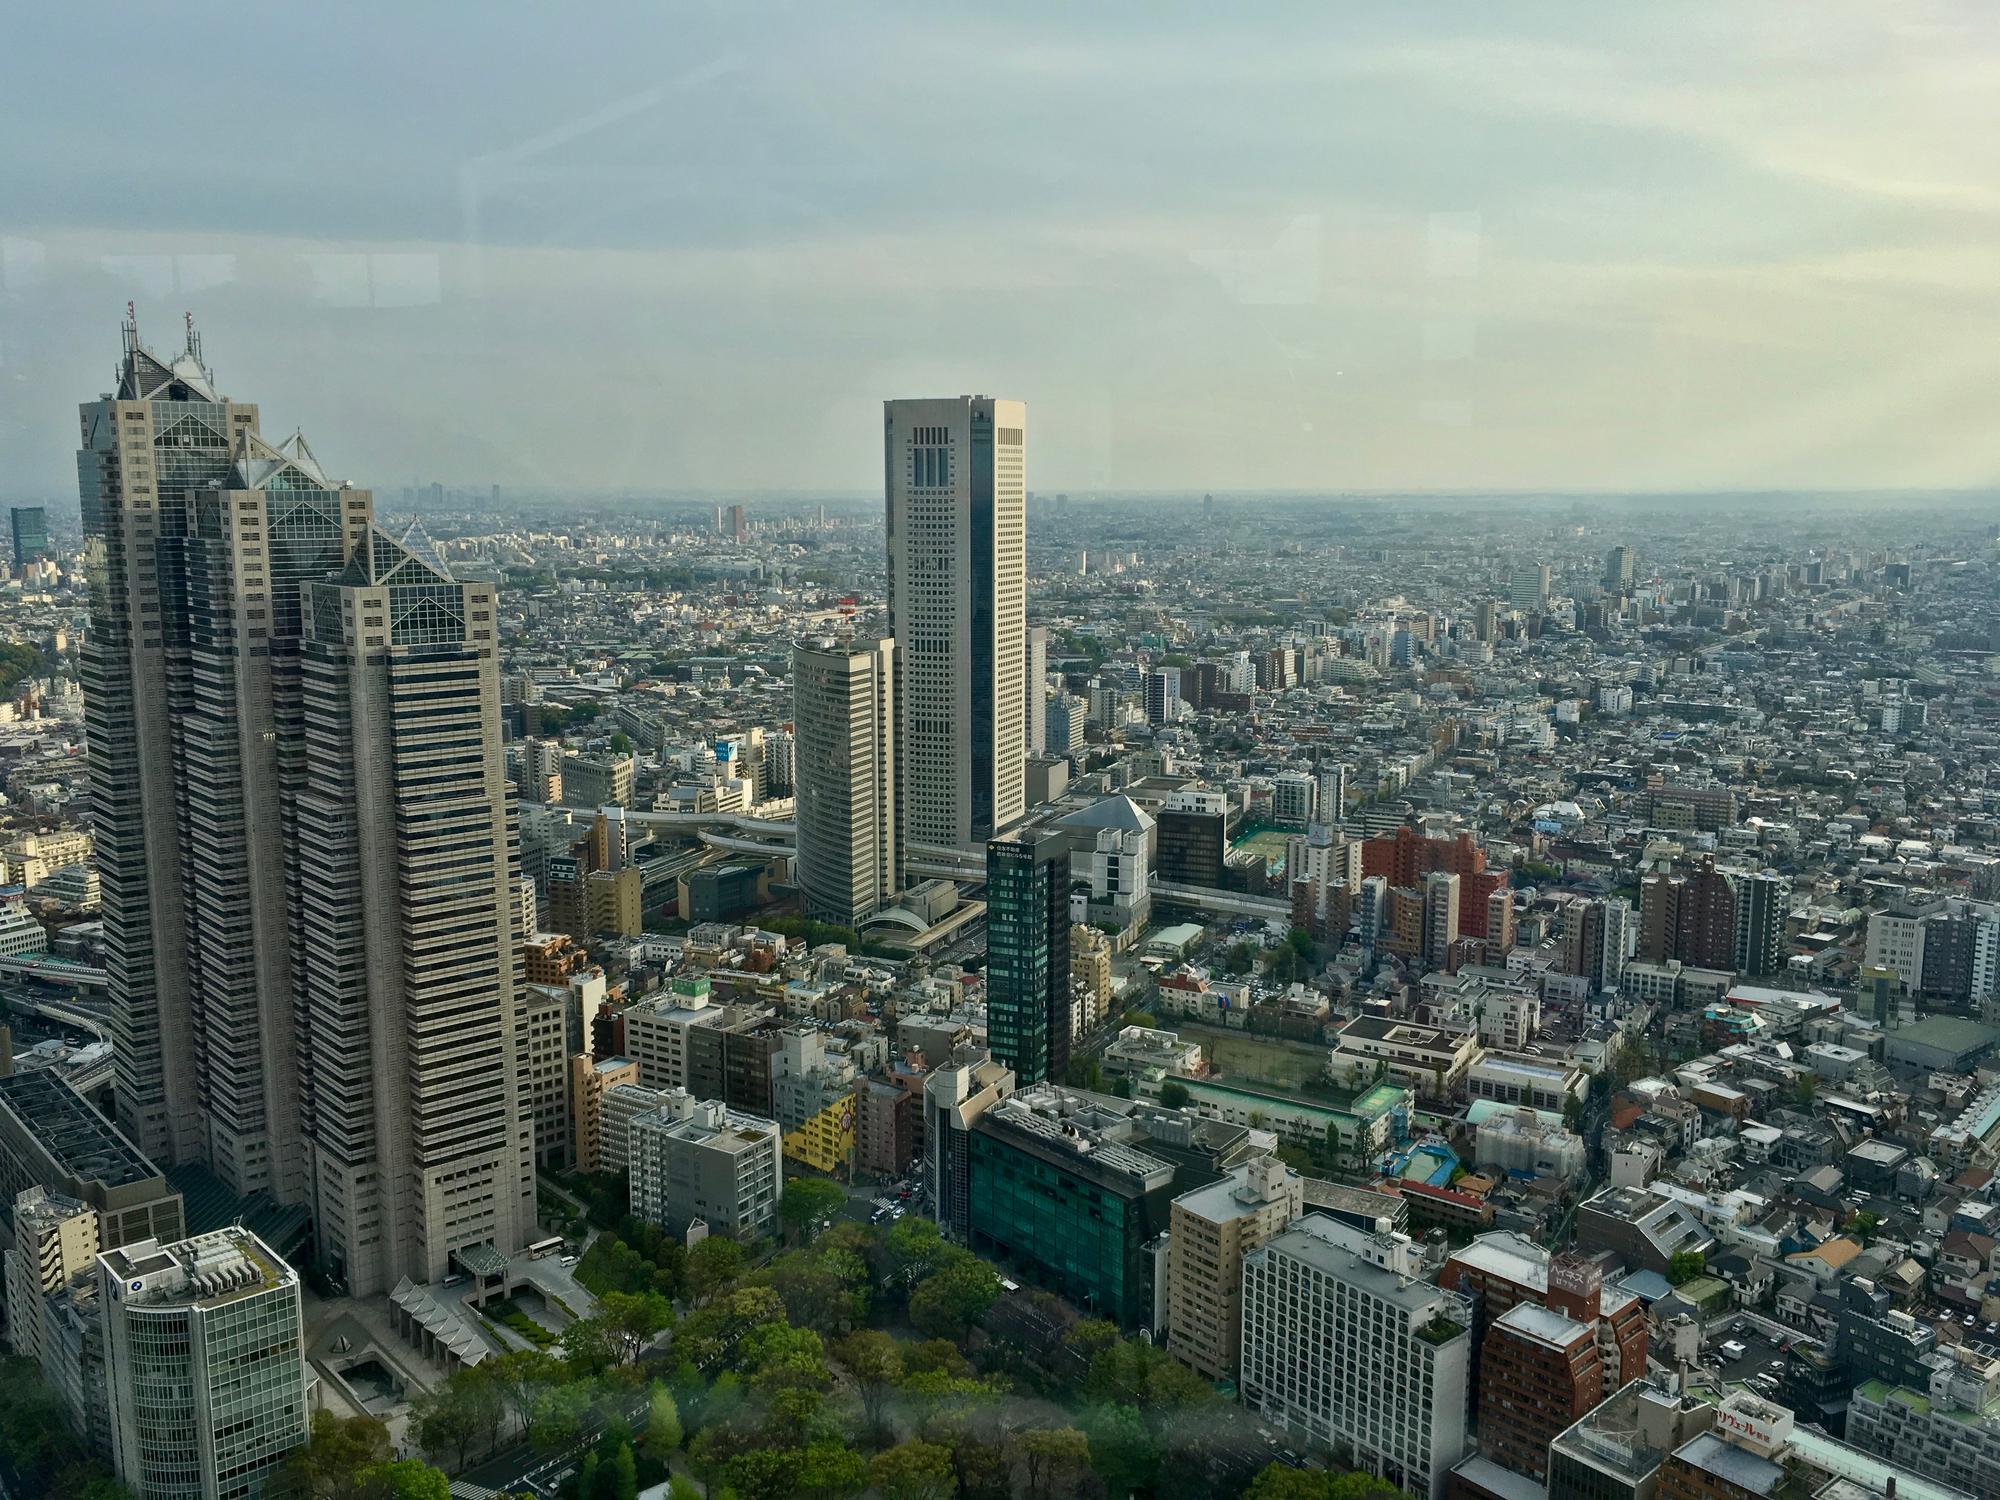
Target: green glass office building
[[1068, 1207]]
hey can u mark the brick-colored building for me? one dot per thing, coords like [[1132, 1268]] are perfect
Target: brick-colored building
[[1540, 1372], [889, 1124], [1504, 1270], [1405, 857]]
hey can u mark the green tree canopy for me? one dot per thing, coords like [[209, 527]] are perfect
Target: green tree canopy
[[809, 1205], [952, 1298], [915, 1470]]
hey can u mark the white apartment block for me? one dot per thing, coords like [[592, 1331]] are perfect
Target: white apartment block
[[1351, 1349], [696, 1160]]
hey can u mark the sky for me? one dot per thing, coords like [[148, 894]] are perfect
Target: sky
[[1341, 247]]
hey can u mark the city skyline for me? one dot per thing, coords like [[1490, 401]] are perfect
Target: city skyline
[[1550, 247]]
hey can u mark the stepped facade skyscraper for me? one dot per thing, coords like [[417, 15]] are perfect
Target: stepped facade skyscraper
[[956, 482], [302, 831], [844, 757]]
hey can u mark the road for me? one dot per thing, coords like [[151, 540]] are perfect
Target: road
[[524, 1472]]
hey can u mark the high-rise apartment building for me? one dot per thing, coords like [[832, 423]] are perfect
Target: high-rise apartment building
[[1212, 1229], [1332, 792], [1294, 800], [1349, 1347], [205, 1365], [31, 533], [303, 832], [1027, 948], [1163, 694], [1063, 725], [1441, 917], [1406, 856], [843, 697], [1619, 564], [1763, 903], [1595, 937], [1035, 689], [55, 1241], [957, 532]]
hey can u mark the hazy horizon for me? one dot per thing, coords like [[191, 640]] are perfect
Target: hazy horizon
[[1552, 249]]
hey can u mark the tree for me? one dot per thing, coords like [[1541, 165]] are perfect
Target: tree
[[763, 1474], [588, 1347], [1049, 1461], [951, 1299], [1685, 1266], [663, 1423], [405, 1479], [333, 1456], [1864, 1225], [942, 1355], [1573, 1115], [521, 1378], [620, 1479], [829, 1471], [621, 743], [712, 1265], [1332, 1142], [631, 1319], [1122, 1451], [915, 1470], [809, 1205], [875, 1362], [559, 1413], [914, 1247], [442, 1422], [1174, 1094]]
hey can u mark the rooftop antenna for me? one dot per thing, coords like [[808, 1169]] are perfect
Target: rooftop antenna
[[193, 338], [131, 328]]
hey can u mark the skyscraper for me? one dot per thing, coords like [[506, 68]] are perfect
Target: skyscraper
[[954, 472], [1763, 903], [301, 821], [1027, 955], [1036, 694], [31, 533], [410, 970], [843, 716], [1528, 588]]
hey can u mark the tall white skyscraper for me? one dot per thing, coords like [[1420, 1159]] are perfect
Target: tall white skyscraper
[[955, 476], [1036, 705], [843, 695], [302, 826]]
